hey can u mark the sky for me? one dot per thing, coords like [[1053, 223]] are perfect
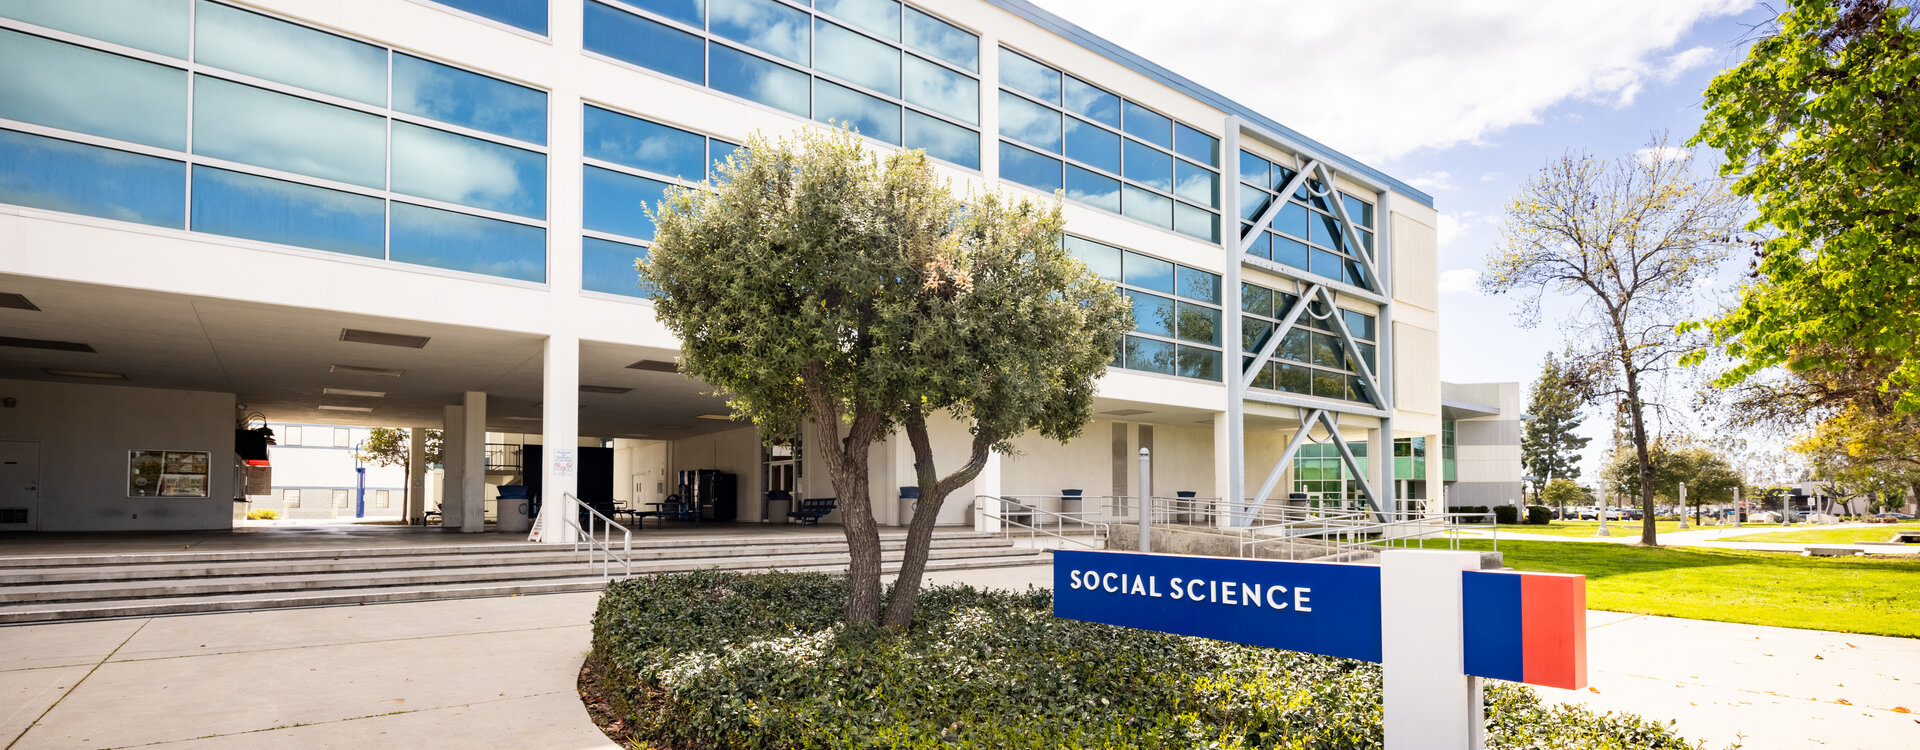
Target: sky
[[1464, 99]]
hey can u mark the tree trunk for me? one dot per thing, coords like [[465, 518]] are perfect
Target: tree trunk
[[1644, 461], [846, 460], [933, 493]]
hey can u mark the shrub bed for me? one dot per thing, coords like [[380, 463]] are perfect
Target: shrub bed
[[724, 660]]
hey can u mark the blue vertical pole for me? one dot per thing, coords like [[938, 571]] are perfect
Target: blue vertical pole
[[360, 492]]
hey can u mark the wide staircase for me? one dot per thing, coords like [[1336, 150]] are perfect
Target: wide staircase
[[93, 586]]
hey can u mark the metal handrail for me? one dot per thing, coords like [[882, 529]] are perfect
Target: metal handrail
[[572, 518], [995, 509]]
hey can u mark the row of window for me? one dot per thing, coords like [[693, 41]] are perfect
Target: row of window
[[1306, 232], [341, 499], [893, 73], [1318, 469], [1118, 155], [631, 164], [1176, 310]]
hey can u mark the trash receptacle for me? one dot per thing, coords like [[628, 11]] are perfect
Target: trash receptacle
[[512, 508], [779, 504], [909, 499], [1071, 505]]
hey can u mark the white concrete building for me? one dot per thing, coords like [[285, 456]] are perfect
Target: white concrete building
[[424, 214]]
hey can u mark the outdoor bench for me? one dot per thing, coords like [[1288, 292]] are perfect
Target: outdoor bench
[[811, 509]]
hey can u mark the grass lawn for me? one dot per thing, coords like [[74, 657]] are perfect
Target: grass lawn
[[1587, 528], [1878, 532], [1845, 594]]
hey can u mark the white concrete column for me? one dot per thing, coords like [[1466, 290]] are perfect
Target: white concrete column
[[987, 483], [560, 435], [1436, 475], [1224, 468], [453, 458], [1431, 702], [416, 473], [473, 464], [1380, 464]]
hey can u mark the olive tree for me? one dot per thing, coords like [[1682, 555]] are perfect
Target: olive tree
[[817, 282]]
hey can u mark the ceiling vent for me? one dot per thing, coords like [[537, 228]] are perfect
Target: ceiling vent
[[654, 365], [358, 370], [384, 339], [88, 374], [603, 389], [356, 393], [1125, 412], [55, 346], [360, 409], [16, 301]]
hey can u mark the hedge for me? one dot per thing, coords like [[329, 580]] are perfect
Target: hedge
[[707, 660], [1539, 515]]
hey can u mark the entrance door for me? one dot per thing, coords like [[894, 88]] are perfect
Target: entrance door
[[19, 485]]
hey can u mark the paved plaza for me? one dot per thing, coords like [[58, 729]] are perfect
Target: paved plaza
[[500, 673]]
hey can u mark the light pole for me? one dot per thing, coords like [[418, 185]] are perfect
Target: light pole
[[1683, 506]]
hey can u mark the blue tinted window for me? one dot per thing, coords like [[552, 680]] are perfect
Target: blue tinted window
[[1024, 167], [1292, 219], [878, 16], [650, 45], [61, 175], [454, 168], [1149, 167], [1253, 169], [1022, 74], [1194, 283], [444, 239], [640, 144], [690, 12], [1358, 323], [286, 213], [270, 129], [526, 14], [856, 58], [1326, 264], [1262, 246], [1148, 272], [62, 86], [943, 140], [1196, 362], [1256, 299], [942, 90], [872, 117], [1196, 222], [1103, 260], [1197, 184], [764, 25], [1282, 176], [942, 40], [1152, 208], [1198, 324], [752, 78], [273, 49], [1093, 189], [1152, 313], [1149, 126], [1091, 102], [618, 203], [607, 266], [1196, 145], [452, 95], [1253, 202], [1093, 145], [158, 26], [1324, 230], [1361, 212], [1029, 122], [718, 151], [1148, 355]]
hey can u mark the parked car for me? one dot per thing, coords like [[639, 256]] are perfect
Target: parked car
[[1613, 514], [1895, 516]]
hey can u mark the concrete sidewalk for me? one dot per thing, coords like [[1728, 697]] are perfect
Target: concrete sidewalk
[[500, 673]]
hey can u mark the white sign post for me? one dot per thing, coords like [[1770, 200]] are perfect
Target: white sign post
[[1432, 703]]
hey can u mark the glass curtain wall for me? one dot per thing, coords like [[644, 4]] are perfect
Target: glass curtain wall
[[631, 164], [279, 132], [892, 72], [1061, 133], [1305, 234], [1176, 310], [1311, 359]]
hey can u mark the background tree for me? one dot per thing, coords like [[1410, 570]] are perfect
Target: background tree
[[1560, 493], [1818, 127], [390, 446], [1710, 479], [1630, 240], [1549, 447], [814, 282]]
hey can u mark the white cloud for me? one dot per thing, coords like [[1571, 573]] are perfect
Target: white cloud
[[1491, 177], [1436, 182], [1454, 226], [1382, 78], [1459, 281], [1685, 61], [1657, 154]]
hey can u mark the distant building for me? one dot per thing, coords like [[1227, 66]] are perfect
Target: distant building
[[1480, 428], [315, 477]]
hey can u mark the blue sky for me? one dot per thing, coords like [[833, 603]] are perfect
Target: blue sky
[[1462, 98]]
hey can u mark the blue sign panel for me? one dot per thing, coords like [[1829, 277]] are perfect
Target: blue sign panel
[[1319, 608]]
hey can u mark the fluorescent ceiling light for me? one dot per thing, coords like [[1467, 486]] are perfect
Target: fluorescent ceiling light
[[90, 374], [521, 419], [1126, 412], [331, 407], [49, 345], [654, 365], [603, 389], [353, 392], [384, 339], [358, 370]]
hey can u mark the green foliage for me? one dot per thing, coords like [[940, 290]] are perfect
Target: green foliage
[[724, 660], [1539, 515], [388, 446], [262, 514], [1707, 474], [1550, 446], [1506, 514], [1561, 493], [1818, 125]]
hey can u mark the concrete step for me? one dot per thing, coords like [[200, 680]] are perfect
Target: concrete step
[[641, 540], [150, 607], [539, 555], [312, 581]]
